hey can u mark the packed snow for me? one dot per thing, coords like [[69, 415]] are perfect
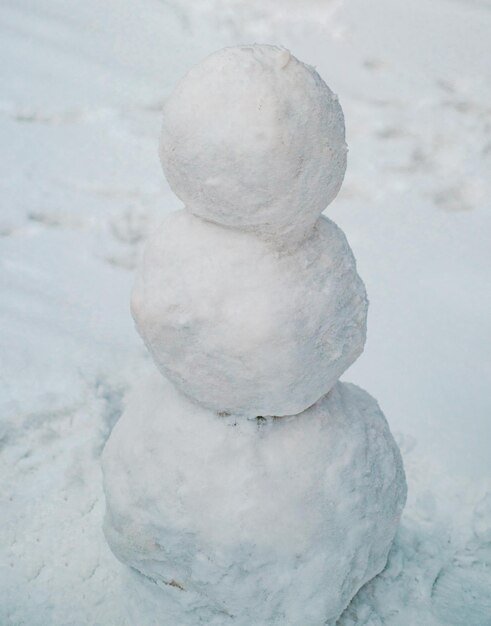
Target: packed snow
[[83, 88], [241, 521], [274, 494], [245, 327], [253, 138]]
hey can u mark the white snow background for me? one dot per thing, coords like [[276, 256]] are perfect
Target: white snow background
[[82, 84]]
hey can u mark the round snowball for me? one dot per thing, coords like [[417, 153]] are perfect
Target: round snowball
[[242, 522], [253, 138], [242, 327]]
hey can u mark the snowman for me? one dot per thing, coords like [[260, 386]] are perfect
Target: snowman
[[247, 484]]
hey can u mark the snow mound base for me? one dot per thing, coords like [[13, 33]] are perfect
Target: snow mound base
[[252, 521], [254, 139], [246, 329]]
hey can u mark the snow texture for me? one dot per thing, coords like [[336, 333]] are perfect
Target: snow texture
[[215, 509], [253, 138], [82, 90], [242, 327], [261, 521]]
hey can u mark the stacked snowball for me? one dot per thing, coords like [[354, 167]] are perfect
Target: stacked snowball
[[249, 300], [257, 490]]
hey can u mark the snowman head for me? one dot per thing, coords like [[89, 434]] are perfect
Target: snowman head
[[254, 139]]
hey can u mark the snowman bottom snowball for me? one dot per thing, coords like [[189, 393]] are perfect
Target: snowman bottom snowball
[[275, 521]]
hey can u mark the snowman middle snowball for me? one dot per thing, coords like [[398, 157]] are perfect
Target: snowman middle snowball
[[259, 310], [242, 327]]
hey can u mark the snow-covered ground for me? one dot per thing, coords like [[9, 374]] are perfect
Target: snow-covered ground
[[82, 85]]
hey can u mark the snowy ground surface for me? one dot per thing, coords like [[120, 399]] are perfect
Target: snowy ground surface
[[82, 85]]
